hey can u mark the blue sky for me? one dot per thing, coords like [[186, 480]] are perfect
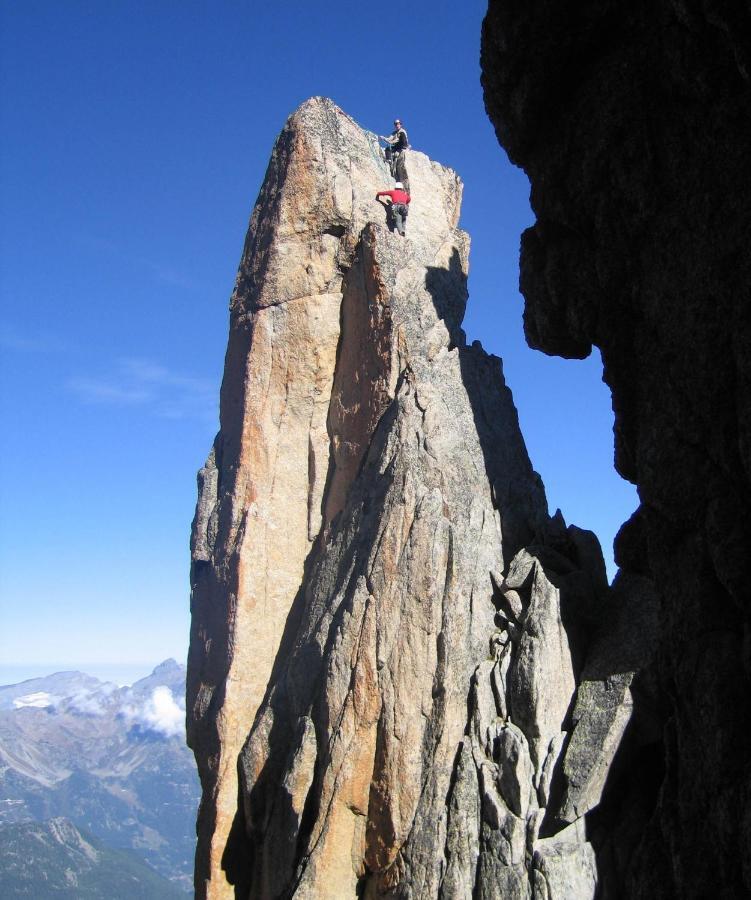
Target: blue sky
[[136, 136]]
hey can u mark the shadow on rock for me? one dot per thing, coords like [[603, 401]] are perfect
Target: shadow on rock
[[565, 731]]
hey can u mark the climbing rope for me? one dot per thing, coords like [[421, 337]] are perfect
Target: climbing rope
[[372, 138]]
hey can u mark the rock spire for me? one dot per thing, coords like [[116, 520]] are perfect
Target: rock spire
[[400, 682]]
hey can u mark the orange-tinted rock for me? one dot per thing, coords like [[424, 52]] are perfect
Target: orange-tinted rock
[[366, 505]]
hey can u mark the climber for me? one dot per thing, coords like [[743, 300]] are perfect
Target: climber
[[396, 144], [399, 201]]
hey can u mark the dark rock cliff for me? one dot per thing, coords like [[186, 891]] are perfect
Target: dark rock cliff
[[633, 122]]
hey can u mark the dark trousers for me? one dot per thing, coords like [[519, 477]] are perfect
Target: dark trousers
[[399, 170], [399, 212], [397, 166]]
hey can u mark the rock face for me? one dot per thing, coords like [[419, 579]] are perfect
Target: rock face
[[393, 644], [633, 122]]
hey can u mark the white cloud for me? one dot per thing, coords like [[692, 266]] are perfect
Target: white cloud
[[95, 391], [159, 271], [93, 702], [170, 276], [13, 340], [161, 713], [143, 382]]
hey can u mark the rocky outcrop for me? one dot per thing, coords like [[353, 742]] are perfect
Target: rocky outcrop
[[393, 644], [633, 123], [261, 491]]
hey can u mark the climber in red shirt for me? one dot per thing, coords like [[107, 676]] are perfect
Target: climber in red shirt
[[399, 202]]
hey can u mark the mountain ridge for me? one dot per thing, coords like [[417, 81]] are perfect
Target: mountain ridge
[[56, 859], [111, 759]]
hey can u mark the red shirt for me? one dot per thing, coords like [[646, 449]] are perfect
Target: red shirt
[[397, 196]]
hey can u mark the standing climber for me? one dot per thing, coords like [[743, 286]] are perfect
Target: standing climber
[[396, 144], [399, 203]]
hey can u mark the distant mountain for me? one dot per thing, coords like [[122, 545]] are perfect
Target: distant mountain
[[54, 859], [112, 760], [53, 687]]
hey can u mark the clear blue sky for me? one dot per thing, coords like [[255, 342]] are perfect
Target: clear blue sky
[[135, 138]]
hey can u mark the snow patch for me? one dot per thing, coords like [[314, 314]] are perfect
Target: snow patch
[[37, 700]]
